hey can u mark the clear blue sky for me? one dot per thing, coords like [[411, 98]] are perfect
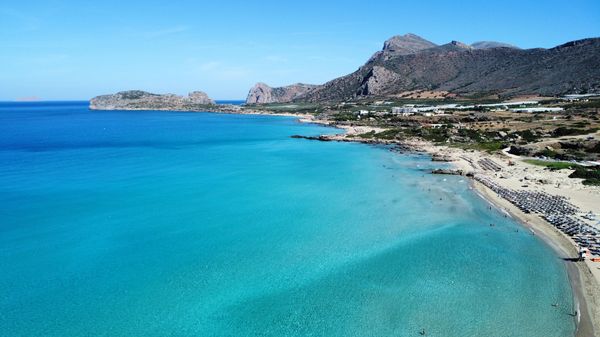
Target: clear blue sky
[[78, 49]]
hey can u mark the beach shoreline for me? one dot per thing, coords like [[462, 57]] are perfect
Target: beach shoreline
[[583, 276], [584, 282], [583, 285]]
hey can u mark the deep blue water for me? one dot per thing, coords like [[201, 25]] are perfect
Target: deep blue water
[[143, 223], [230, 101]]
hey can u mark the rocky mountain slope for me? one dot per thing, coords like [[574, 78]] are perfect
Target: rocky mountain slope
[[142, 100], [408, 63], [262, 93]]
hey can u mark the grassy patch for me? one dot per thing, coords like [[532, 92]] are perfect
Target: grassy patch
[[592, 182], [367, 135], [489, 147], [554, 165], [345, 116], [387, 134]]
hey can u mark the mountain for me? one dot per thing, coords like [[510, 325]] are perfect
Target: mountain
[[262, 93], [142, 100], [492, 44], [410, 63], [406, 44]]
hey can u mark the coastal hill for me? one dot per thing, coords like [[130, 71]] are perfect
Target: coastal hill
[[142, 100], [262, 93], [409, 63]]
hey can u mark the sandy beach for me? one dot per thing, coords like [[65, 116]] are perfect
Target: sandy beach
[[511, 172], [518, 175]]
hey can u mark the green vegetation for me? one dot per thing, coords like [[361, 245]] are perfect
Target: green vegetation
[[345, 116], [490, 147], [439, 135], [553, 165], [388, 134], [565, 131], [528, 136], [591, 182], [590, 174], [550, 154], [367, 135]]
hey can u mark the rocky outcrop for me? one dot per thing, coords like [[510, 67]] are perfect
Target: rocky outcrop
[[519, 150], [199, 97], [448, 171], [408, 63], [142, 100], [263, 94], [378, 80]]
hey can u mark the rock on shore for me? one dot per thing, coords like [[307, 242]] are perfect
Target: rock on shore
[[142, 100]]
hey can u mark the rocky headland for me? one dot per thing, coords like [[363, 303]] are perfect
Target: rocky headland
[[261, 93], [142, 100]]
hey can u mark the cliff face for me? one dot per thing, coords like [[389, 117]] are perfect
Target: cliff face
[[262, 93], [408, 62], [141, 100]]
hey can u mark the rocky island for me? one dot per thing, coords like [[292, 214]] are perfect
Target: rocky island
[[142, 100]]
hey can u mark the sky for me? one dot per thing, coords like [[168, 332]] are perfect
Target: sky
[[74, 50]]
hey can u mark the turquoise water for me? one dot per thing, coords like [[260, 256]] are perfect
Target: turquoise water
[[198, 224]]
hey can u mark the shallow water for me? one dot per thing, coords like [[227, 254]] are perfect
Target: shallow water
[[197, 224]]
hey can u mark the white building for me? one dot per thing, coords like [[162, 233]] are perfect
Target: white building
[[404, 109], [537, 109], [577, 97], [414, 109], [509, 104]]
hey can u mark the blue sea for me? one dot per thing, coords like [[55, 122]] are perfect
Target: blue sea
[[148, 223]]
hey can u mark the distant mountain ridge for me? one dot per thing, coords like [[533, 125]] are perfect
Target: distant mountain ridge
[[492, 44], [409, 62]]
